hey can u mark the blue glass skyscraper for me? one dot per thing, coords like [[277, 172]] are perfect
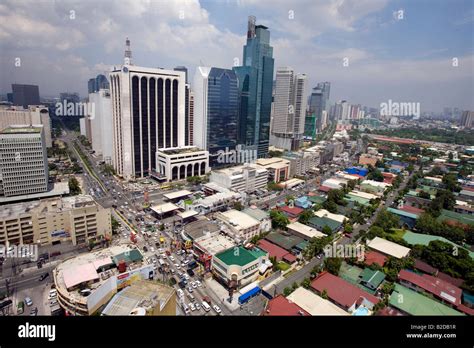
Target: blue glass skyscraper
[[255, 86]]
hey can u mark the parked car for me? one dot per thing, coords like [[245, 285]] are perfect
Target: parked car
[[43, 276], [28, 301], [217, 309]]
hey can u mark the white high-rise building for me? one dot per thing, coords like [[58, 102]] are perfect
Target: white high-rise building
[[33, 115], [101, 121], [289, 108], [23, 161], [148, 113]]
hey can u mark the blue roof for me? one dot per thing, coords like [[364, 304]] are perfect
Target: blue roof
[[402, 213], [244, 297]]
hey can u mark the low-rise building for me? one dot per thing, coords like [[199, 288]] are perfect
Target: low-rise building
[[216, 202], [78, 219], [281, 306], [180, 163], [88, 281], [278, 168], [143, 297], [240, 266], [373, 186], [241, 225], [314, 304], [304, 231], [246, 178], [388, 248], [262, 216]]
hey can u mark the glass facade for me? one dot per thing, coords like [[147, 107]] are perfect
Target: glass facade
[[255, 85], [222, 110]]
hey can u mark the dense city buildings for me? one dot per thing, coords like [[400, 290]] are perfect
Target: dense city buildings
[[255, 87]]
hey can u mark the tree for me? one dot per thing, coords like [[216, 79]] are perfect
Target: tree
[[327, 230], [279, 220], [424, 194], [386, 220], [306, 283], [324, 294], [287, 291], [306, 216], [74, 188], [238, 205], [115, 225], [333, 264], [450, 182]]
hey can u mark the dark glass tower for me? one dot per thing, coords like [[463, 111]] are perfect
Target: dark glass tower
[[255, 86]]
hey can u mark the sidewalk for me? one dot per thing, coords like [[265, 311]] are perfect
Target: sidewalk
[[221, 295]]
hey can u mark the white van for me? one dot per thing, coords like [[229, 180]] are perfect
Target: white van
[[191, 297], [180, 293], [206, 307]]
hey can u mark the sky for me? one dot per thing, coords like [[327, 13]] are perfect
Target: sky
[[371, 51]]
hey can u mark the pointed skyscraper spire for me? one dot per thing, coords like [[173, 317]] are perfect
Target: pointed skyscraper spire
[[128, 53]]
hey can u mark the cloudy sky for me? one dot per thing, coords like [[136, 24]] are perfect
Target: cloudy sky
[[403, 50]]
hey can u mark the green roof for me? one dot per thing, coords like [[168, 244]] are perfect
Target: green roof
[[414, 303], [317, 199], [350, 273], [425, 239], [452, 215], [402, 213], [319, 223], [373, 277], [240, 256], [287, 242], [360, 200], [130, 256]]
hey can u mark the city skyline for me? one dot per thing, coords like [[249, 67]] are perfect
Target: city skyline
[[394, 49]]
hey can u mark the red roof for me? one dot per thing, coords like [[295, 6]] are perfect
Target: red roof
[[468, 188], [413, 210], [275, 251], [447, 278], [465, 309], [340, 291], [424, 267], [433, 285], [280, 305], [325, 188], [295, 211], [389, 312], [375, 257]]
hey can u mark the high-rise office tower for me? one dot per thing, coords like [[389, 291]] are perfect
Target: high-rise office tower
[[318, 103], [216, 101], [97, 83], [100, 122], [148, 113], [289, 107], [23, 161], [255, 85], [183, 69], [190, 123], [467, 119], [24, 95]]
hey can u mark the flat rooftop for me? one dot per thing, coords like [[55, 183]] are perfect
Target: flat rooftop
[[177, 194], [307, 231], [214, 243], [388, 248], [21, 130], [179, 150], [164, 208], [199, 228], [314, 304], [140, 294], [238, 219]]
